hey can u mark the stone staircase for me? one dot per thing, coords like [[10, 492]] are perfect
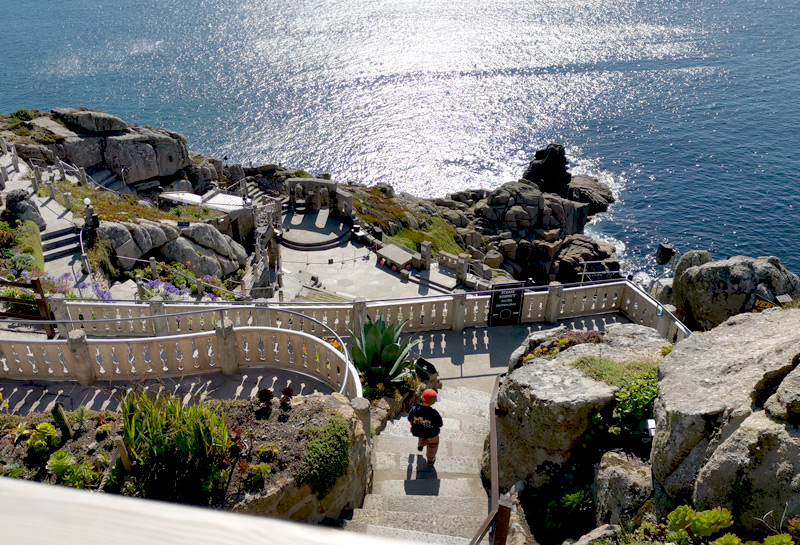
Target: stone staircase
[[445, 504], [60, 242], [109, 180]]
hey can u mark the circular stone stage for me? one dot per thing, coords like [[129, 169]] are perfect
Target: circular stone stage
[[313, 230]]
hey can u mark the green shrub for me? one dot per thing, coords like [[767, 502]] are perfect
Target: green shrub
[[27, 302], [23, 262], [440, 233], [612, 372], [29, 240], [267, 452], [257, 473], [23, 114], [102, 257], [6, 235], [180, 452], [568, 511], [684, 524], [327, 455], [43, 439], [60, 463], [634, 400]]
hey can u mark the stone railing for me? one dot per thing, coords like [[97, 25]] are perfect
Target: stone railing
[[223, 348], [448, 312]]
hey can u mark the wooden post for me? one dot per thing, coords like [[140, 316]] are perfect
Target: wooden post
[[14, 159], [123, 453], [51, 191], [4, 173], [154, 268], [60, 418], [61, 171], [502, 521], [82, 176], [41, 303], [160, 325], [3, 145], [37, 177], [68, 201]]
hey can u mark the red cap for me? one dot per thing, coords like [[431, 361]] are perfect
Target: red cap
[[429, 394]]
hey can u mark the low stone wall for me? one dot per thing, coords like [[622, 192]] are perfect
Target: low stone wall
[[292, 501]]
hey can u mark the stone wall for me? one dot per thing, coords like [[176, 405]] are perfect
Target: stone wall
[[289, 500]]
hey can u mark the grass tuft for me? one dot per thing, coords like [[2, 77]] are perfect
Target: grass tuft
[[613, 372]]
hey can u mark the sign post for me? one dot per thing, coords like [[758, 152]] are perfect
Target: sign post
[[506, 304]]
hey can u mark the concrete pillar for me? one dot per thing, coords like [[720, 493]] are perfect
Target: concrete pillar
[[161, 324], [262, 314], [14, 159], [360, 407], [317, 198], [3, 174], [199, 286], [140, 289], [58, 305], [82, 176], [459, 310], [359, 314], [426, 250], [226, 347], [51, 191], [81, 358], [37, 174], [61, 171], [3, 145], [68, 201], [154, 268], [462, 268], [50, 176], [553, 308]]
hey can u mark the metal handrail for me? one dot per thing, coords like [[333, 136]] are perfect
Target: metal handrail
[[498, 512]]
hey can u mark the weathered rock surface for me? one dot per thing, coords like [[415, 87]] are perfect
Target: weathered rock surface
[[592, 191], [91, 121], [20, 207], [622, 485], [122, 242], [549, 169], [545, 408], [576, 249], [709, 293], [714, 442], [146, 153]]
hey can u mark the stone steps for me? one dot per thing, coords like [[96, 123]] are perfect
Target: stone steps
[[431, 522], [60, 242], [413, 536], [446, 503]]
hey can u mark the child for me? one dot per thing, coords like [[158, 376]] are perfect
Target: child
[[425, 424]]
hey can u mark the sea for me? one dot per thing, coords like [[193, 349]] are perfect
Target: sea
[[688, 110]]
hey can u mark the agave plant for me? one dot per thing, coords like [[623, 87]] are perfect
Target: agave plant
[[379, 354]]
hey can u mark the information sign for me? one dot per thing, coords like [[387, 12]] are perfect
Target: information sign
[[506, 305]]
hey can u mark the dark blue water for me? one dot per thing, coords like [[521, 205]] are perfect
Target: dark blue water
[[688, 110]]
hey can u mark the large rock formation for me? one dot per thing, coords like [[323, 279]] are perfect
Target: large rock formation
[[622, 485], [97, 140], [20, 207], [706, 293], [204, 250], [727, 424], [546, 406]]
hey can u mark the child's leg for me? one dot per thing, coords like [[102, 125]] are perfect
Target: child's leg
[[433, 446]]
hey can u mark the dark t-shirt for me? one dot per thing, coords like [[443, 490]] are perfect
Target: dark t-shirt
[[425, 421]]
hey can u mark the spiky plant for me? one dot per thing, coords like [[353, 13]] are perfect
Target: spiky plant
[[379, 353]]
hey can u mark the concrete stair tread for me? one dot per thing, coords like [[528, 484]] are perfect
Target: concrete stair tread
[[467, 423], [428, 504], [433, 522], [470, 487], [408, 444], [56, 233], [416, 536], [415, 462], [466, 396], [66, 240]]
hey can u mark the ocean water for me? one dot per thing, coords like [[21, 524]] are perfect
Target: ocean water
[[689, 110]]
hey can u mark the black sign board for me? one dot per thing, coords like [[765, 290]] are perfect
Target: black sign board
[[506, 305], [762, 304], [183, 224]]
